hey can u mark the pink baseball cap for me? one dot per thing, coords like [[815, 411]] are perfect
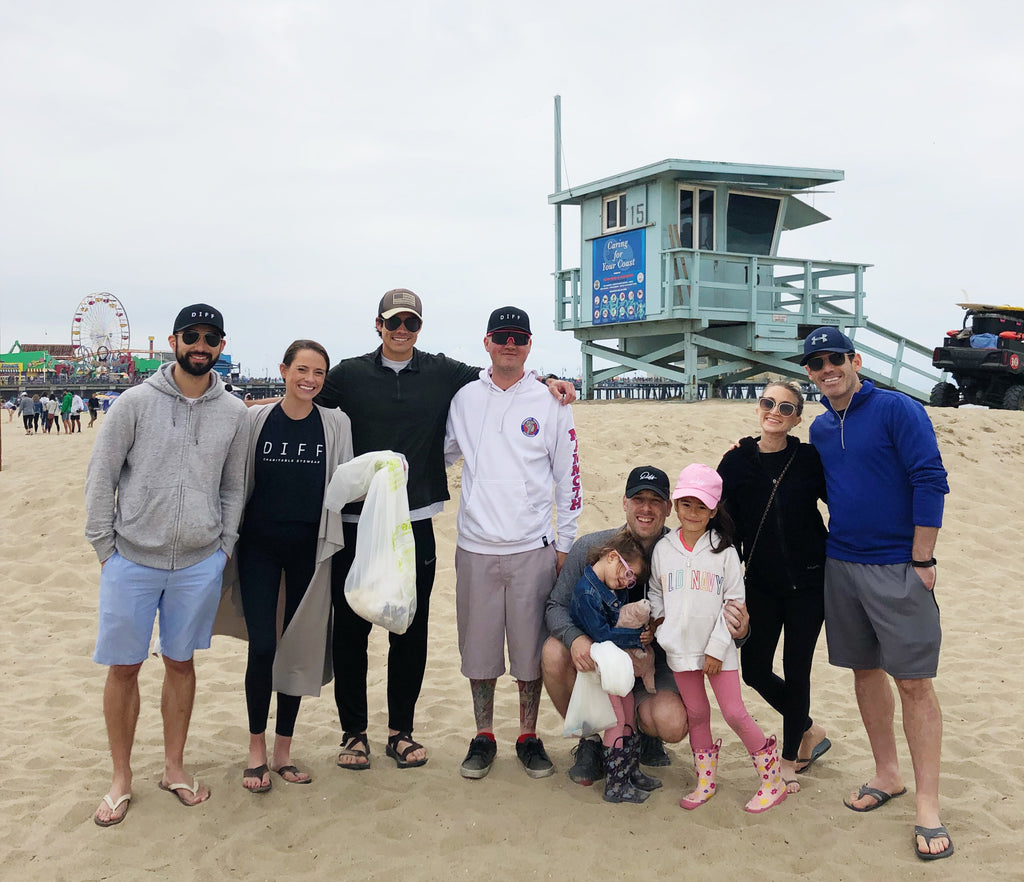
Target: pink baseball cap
[[699, 481]]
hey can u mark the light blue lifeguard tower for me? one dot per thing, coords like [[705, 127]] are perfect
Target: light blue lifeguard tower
[[680, 277]]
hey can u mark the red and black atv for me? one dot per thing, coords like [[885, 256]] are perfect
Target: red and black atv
[[985, 357]]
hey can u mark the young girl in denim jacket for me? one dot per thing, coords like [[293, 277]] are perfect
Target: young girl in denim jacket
[[695, 571], [597, 602]]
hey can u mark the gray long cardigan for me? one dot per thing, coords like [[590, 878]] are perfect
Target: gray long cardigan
[[303, 662]]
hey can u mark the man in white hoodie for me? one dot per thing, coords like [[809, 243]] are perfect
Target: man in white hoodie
[[518, 444], [163, 498]]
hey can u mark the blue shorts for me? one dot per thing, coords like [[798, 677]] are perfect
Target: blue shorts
[[131, 594]]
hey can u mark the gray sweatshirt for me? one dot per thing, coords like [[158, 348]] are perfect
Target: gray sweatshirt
[[165, 483]]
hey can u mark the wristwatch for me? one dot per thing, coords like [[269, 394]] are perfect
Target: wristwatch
[[924, 564]]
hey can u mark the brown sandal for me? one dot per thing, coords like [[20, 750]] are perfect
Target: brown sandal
[[350, 741]]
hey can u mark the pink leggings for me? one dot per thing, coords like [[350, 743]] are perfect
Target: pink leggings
[[726, 686], [623, 719]]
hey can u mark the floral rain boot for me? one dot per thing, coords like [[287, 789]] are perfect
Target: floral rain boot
[[773, 789], [705, 764]]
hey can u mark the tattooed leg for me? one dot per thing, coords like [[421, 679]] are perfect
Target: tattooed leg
[[529, 705], [483, 704]]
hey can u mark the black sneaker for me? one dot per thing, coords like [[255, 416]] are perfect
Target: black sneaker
[[652, 751], [589, 765], [534, 757], [478, 761]]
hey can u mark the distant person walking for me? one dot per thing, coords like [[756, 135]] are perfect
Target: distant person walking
[[77, 406], [94, 408], [65, 411], [53, 413], [27, 411]]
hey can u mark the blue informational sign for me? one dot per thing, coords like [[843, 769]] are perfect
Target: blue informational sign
[[620, 293]]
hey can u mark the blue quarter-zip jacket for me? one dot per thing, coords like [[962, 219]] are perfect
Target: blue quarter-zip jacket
[[883, 473]]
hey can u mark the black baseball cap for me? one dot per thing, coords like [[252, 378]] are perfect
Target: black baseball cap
[[199, 314], [509, 318], [647, 478]]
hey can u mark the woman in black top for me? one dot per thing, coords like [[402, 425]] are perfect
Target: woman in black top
[[294, 448], [783, 547]]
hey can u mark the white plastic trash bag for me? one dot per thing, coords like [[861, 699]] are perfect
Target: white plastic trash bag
[[616, 667], [590, 710], [381, 584]]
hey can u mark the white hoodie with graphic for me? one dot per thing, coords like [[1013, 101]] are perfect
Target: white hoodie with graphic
[[690, 589], [519, 444]]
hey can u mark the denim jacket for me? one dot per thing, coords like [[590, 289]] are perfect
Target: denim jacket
[[595, 610]]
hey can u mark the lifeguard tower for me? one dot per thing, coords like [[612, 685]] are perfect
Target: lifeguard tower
[[680, 277]]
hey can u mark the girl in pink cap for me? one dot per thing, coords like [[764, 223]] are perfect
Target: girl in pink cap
[[695, 570]]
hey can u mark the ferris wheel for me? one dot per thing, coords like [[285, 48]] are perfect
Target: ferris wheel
[[100, 327]]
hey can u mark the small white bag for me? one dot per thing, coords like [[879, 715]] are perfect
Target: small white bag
[[381, 583], [590, 710]]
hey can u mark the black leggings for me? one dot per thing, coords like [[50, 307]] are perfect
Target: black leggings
[[801, 613], [264, 551], [407, 655]]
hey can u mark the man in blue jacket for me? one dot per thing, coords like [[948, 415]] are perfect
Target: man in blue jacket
[[886, 488]]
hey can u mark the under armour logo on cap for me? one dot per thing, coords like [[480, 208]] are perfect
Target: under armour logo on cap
[[826, 340]]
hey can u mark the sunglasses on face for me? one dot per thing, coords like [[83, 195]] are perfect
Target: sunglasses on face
[[212, 339], [630, 575], [518, 338], [784, 408], [412, 323], [834, 358]]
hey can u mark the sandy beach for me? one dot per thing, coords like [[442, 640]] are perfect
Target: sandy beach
[[430, 823]]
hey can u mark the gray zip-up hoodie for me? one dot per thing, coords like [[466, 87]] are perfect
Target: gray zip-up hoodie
[[165, 483]]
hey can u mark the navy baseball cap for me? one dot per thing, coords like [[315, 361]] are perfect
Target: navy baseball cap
[[826, 339], [647, 478]]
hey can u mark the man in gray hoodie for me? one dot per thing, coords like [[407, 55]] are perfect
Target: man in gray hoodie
[[163, 501]]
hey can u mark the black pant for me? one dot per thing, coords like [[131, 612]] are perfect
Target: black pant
[[264, 552], [801, 613], [407, 655]]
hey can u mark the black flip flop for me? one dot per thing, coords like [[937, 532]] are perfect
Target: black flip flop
[[400, 756], [257, 772], [879, 795]]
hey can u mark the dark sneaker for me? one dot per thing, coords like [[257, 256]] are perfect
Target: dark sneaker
[[652, 751], [589, 765], [478, 761], [534, 758]]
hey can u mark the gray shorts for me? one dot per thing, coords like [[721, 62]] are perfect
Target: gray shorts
[[499, 597], [881, 616], [664, 679]]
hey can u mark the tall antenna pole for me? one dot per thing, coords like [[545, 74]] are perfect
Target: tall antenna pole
[[559, 308]]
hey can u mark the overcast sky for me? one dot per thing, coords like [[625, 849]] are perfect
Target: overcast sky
[[288, 162]]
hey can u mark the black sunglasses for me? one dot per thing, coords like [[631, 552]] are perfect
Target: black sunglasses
[[785, 408], [834, 358], [412, 323], [212, 339], [518, 338]]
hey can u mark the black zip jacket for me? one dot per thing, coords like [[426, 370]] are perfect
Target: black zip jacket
[[405, 412]]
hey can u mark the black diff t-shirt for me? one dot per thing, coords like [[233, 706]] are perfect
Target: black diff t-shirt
[[291, 462]]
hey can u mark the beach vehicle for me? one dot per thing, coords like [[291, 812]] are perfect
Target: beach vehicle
[[985, 357]]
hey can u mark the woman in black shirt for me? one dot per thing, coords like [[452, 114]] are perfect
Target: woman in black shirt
[[771, 486]]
